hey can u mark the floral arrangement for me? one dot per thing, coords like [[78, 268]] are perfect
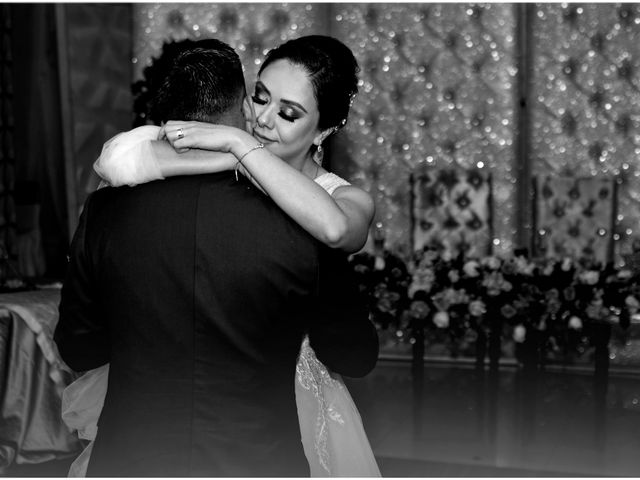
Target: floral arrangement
[[553, 305]]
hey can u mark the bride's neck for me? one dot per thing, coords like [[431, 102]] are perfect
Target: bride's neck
[[310, 168], [306, 166]]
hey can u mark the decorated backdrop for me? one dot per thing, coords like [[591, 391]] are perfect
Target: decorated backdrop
[[516, 90]]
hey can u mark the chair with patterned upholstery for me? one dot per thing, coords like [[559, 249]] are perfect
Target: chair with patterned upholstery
[[451, 209], [575, 217]]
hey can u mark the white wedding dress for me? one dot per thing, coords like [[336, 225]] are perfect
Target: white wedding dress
[[333, 437]]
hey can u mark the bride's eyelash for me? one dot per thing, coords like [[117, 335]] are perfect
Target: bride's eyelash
[[261, 101], [258, 100], [286, 117]]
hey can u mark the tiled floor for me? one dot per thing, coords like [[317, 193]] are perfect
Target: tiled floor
[[456, 421], [453, 421]]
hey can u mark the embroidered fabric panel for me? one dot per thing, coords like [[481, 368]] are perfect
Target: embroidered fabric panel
[[451, 209], [575, 217]]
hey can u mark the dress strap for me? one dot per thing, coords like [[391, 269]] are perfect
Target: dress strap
[[330, 181]]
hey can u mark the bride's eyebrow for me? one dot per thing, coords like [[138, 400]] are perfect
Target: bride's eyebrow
[[294, 104]]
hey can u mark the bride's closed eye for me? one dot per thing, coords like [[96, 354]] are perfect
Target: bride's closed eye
[[288, 114], [260, 101]]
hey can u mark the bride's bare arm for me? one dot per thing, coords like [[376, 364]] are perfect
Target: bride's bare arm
[[340, 221], [135, 157], [191, 162]]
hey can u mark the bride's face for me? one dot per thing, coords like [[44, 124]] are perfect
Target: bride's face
[[286, 111]]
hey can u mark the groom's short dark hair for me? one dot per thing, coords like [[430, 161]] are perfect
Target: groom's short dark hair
[[204, 82]]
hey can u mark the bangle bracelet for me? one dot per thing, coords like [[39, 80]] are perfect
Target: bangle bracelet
[[260, 145], [238, 165]]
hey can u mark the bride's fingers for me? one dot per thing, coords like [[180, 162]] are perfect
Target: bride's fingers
[[162, 134], [179, 147]]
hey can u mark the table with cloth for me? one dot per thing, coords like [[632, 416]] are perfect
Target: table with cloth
[[32, 379]]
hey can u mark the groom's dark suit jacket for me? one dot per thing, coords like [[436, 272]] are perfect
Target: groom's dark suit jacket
[[197, 291]]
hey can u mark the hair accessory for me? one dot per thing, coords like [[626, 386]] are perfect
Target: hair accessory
[[352, 97]]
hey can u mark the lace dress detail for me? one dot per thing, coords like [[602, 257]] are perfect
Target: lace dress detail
[[313, 376]]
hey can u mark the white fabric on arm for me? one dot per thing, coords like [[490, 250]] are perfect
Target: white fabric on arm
[[128, 158], [330, 181]]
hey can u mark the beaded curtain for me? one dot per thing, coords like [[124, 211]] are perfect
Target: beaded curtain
[[438, 88], [586, 90]]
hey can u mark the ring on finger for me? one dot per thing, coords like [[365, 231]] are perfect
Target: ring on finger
[[180, 133]]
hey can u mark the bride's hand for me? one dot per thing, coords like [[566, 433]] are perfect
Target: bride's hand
[[205, 136]]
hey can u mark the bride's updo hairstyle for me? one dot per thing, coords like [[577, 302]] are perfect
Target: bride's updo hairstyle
[[332, 69]]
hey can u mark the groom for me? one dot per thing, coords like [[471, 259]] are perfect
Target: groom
[[198, 291]]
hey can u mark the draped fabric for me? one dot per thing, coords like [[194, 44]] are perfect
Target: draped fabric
[[31, 382], [40, 193], [575, 217], [451, 209]]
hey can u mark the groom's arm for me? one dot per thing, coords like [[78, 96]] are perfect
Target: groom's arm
[[340, 333], [81, 333]]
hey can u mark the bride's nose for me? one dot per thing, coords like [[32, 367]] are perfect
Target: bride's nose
[[265, 118]]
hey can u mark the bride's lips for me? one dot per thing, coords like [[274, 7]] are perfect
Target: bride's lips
[[262, 138]]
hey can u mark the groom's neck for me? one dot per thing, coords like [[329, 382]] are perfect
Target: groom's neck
[[230, 119]]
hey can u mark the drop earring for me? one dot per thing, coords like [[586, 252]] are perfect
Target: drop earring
[[318, 155]]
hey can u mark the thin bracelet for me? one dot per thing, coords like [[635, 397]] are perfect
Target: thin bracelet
[[260, 145], [239, 162]]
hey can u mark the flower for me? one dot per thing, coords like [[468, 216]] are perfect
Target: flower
[[569, 294], [509, 268], [441, 319], [552, 294], [425, 258], [495, 283], [477, 308], [519, 333], [523, 266], [596, 310], [447, 256], [553, 306], [491, 262], [361, 269], [590, 277], [454, 276], [566, 264], [423, 279], [575, 323], [632, 304], [625, 274], [508, 311], [386, 299], [471, 268], [419, 309]]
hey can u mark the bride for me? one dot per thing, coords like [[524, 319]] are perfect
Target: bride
[[303, 93]]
